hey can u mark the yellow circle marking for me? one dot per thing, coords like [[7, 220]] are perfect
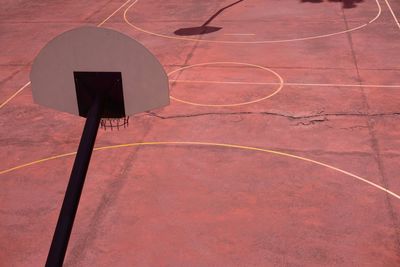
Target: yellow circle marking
[[249, 148], [250, 42], [280, 85]]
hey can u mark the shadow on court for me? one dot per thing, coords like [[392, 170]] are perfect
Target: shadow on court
[[346, 3], [204, 29]]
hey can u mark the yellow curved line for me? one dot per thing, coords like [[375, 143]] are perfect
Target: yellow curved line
[[364, 180], [250, 42], [36, 162], [281, 82]]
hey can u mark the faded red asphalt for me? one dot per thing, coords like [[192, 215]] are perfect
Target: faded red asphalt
[[207, 205]]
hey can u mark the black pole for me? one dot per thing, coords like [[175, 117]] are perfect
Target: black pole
[[72, 195]]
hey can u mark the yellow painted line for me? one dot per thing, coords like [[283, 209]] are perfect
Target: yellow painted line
[[289, 84], [15, 94], [28, 83], [391, 11], [37, 162], [104, 21], [249, 148], [280, 84], [248, 42]]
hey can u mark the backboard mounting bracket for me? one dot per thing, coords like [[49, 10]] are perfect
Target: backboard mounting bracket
[[88, 84]]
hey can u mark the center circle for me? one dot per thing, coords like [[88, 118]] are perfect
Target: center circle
[[276, 90], [259, 41]]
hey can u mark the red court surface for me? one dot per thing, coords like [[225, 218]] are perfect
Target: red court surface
[[280, 146]]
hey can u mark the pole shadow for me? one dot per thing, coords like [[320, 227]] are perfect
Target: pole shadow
[[204, 29]]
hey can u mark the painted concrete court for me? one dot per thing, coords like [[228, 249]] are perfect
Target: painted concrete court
[[280, 146]]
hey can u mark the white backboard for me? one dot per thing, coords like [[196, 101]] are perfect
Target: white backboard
[[144, 81]]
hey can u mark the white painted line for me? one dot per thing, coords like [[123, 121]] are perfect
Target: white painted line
[[15, 94], [293, 84], [391, 11], [28, 83], [104, 21], [244, 34], [345, 85], [248, 42]]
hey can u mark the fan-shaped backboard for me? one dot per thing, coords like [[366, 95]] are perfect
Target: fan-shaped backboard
[[97, 50]]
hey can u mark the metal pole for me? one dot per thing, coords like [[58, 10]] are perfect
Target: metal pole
[[69, 207]]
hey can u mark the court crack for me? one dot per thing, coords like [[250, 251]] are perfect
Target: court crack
[[313, 118]]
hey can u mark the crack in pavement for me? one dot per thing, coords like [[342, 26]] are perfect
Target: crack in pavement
[[317, 117]]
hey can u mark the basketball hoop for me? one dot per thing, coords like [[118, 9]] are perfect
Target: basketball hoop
[[114, 123], [103, 76]]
